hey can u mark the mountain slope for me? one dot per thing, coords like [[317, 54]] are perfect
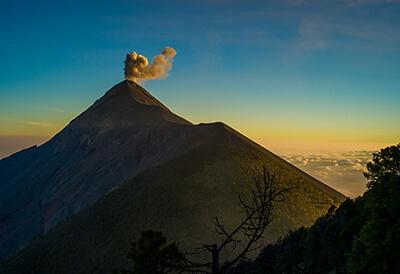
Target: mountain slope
[[123, 133], [180, 197], [180, 176]]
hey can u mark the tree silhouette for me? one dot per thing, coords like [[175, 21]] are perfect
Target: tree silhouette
[[151, 254], [376, 248], [385, 162]]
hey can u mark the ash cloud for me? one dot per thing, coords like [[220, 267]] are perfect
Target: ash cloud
[[138, 69]]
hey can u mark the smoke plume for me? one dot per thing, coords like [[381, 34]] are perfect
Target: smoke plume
[[138, 69]]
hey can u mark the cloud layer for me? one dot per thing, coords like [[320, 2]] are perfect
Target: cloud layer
[[138, 69], [342, 171]]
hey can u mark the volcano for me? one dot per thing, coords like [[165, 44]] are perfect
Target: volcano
[[128, 164]]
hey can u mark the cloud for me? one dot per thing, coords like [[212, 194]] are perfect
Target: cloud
[[313, 33], [138, 69], [367, 2], [61, 110], [345, 3], [342, 171], [35, 123], [289, 25], [322, 32]]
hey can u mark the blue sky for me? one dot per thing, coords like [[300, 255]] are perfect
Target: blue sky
[[278, 71]]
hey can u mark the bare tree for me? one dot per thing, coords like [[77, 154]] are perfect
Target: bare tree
[[257, 213]]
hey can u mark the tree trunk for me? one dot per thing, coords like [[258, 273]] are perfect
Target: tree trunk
[[215, 259]]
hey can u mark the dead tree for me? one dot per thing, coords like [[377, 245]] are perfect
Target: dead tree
[[257, 213]]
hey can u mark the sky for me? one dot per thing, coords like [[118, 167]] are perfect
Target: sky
[[300, 77]]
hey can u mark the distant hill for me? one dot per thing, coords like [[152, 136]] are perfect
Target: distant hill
[[128, 164]]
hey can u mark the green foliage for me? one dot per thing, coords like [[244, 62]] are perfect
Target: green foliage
[[376, 249], [151, 254], [385, 162]]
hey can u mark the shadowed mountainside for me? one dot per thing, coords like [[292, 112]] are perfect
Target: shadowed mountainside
[[121, 134], [177, 178]]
